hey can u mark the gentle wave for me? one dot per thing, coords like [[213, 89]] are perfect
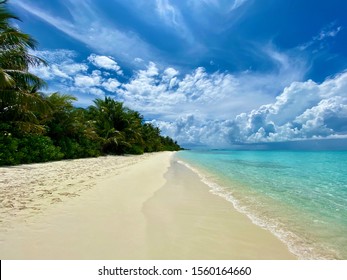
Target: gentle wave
[[301, 248]]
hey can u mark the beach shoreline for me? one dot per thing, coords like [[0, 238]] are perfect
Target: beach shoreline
[[133, 207]]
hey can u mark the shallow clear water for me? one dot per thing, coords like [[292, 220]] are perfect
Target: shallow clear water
[[299, 196]]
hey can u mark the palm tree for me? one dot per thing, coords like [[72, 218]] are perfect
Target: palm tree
[[67, 121], [60, 121], [19, 89], [14, 57], [133, 131], [27, 111], [151, 136], [70, 128], [110, 122]]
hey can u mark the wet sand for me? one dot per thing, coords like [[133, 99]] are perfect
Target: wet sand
[[187, 221]]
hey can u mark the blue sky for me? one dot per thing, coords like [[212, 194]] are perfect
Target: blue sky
[[207, 72]]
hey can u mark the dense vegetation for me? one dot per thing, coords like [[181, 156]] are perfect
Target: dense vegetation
[[37, 127]]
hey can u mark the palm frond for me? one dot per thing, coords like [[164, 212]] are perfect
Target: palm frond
[[25, 80], [6, 80], [13, 37]]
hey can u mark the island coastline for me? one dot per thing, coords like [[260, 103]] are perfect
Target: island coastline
[[132, 207]]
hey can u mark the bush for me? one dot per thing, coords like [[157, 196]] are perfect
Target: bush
[[8, 150], [135, 150], [71, 148], [28, 149]]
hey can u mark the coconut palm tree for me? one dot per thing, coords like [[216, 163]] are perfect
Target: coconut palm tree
[[110, 122], [151, 137], [15, 59], [19, 89]]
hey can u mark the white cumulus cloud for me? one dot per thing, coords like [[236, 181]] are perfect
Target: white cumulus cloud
[[111, 84], [88, 80], [61, 65], [105, 62]]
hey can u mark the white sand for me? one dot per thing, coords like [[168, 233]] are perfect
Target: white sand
[[186, 221], [133, 207]]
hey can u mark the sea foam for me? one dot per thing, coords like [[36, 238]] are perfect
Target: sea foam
[[301, 246]]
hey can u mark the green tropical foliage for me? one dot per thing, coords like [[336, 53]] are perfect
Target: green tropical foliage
[[36, 127], [19, 89]]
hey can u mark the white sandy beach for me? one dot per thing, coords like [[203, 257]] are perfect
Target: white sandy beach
[[131, 207]]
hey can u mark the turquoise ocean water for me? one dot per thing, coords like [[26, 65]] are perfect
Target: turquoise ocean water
[[301, 197]]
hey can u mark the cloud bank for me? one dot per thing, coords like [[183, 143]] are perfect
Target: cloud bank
[[209, 108], [303, 111]]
